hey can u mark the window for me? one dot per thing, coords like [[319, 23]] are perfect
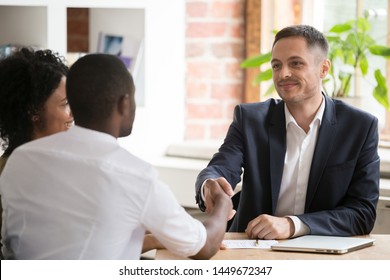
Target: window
[[323, 15]]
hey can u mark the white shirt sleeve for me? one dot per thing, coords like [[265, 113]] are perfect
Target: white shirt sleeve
[[300, 227], [178, 231]]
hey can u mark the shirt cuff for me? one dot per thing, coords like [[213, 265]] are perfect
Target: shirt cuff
[[300, 227], [200, 198]]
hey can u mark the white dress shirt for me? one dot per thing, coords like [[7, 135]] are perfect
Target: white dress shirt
[[79, 195], [296, 170]]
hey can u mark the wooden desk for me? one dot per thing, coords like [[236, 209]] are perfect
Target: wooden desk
[[379, 251]]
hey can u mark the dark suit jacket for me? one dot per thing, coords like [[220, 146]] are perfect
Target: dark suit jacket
[[343, 187]]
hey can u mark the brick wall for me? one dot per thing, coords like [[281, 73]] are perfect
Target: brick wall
[[78, 29], [214, 80]]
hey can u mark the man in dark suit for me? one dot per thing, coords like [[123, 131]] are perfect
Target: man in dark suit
[[310, 163]]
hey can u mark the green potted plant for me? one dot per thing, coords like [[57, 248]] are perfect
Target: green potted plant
[[350, 47]]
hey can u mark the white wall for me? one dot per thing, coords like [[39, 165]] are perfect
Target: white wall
[[20, 25], [161, 121]]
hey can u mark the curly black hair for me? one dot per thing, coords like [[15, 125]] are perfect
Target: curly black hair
[[27, 79]]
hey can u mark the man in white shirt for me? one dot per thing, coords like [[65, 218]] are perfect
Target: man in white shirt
[[79, 195], [310, 163]]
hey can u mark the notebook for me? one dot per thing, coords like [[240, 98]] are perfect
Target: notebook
[[323, 244]]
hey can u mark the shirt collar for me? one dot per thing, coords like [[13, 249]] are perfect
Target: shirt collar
[[93, 135], [318, 116]]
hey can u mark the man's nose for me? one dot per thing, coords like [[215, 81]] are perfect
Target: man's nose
[[285, 72]]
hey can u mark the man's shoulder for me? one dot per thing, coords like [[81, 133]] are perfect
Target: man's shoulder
[[261, 111], [263, 107], [64, 147], [345, 109]]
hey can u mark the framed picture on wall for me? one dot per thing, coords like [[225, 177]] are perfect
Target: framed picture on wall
[[113, 44], [110, 44]]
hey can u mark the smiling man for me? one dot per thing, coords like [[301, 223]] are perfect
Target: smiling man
[[308, 168]]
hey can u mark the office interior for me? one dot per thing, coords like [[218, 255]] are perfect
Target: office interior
[[185, 56]]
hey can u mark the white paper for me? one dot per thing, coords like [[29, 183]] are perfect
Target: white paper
[[248, 244]]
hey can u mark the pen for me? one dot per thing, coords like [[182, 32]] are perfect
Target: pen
[[257, 242]]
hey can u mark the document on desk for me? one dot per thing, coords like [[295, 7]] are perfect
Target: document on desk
[[248, 244]]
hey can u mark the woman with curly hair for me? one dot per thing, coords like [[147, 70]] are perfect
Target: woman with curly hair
[[33, 100]]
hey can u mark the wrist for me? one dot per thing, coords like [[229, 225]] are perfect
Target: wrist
[[291, 226]]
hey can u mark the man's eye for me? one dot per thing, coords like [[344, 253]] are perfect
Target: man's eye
[[296, 63]]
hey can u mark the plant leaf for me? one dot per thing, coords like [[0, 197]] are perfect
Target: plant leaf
[[256, 61], [363, 25], [263, 76], [333, 38], [345, 85], [363, 64], [380, 91], [380, 50], [340, 28], [350, 58], [352, 43]]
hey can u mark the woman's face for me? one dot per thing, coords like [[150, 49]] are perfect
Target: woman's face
[[56, 115]]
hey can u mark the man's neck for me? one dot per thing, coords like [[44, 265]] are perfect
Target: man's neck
[[101, 127], [304, 112]]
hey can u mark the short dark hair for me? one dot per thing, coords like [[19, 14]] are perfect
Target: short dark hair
[[312, 36], [94, 85], [27, 79]]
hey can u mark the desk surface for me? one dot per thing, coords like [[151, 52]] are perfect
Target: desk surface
[[379, 251]]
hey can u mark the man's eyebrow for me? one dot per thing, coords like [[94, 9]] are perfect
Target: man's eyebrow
[[294, 57], [290, 58]]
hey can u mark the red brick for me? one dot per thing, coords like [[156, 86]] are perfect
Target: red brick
[[206, 29], [229, 110], [218, 131], [226, 91], [197, 90], [196, 9], [77, 13], [204, 111], [195, 49], [231, 9], [228, 49], [237, 31], [77, 27], [204, 70], [195, 132], [76, 44], [234, 71]]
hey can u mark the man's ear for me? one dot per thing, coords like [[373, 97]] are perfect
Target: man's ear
[[124, 104], [325, 67]]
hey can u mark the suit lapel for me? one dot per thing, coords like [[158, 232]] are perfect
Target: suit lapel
[[321, 153], [277, 143]]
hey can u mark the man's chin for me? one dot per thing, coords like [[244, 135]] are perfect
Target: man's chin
[[125, 133]]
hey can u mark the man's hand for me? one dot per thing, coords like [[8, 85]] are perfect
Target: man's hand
[[270, 227], [219, 209], [210, 193]]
